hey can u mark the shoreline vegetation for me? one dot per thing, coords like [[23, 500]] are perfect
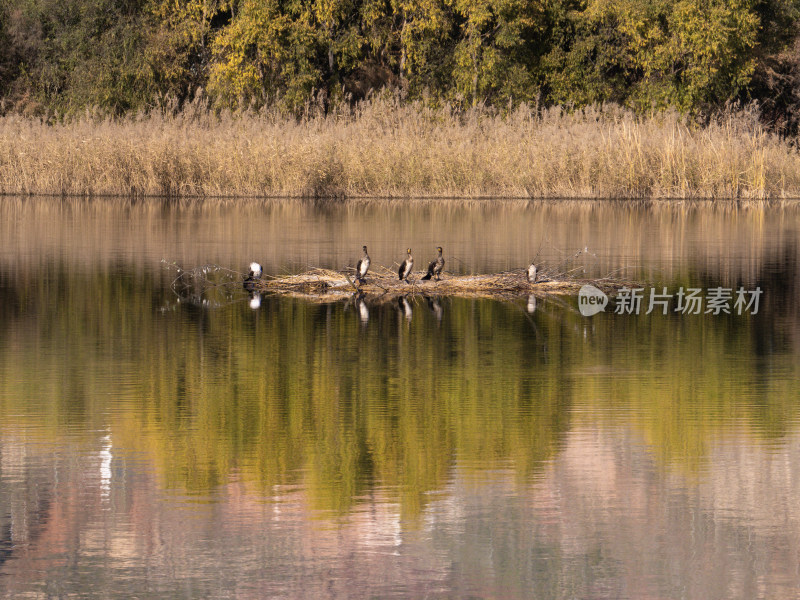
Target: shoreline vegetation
[[385, 148], [434, 99]]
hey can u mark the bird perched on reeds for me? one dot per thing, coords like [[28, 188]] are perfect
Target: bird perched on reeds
[[252, 277], [435, 267], [362, 266], [405, 269], [532, 273]]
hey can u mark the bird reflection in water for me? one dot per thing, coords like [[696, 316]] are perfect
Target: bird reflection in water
[[531, 304], [405, 307], [363, 311], [436, 309]]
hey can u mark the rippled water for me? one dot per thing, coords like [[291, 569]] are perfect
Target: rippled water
[[427, 448]]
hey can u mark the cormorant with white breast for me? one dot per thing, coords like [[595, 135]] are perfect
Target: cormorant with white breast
[[405, 269], [252, 277], [532, 273], [362, 266], [436, 266]]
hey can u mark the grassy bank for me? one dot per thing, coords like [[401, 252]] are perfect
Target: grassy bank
[[385, 149]]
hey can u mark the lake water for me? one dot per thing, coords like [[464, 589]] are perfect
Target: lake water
[[155, 447]]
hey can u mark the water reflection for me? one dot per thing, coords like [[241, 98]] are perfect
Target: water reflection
[[363, 310], [665, 241], [405, 308], [299, 361], [601, 520], [469, 448], [255, 301], [105, 467], [436, 308], [212, 286], [531, 305]]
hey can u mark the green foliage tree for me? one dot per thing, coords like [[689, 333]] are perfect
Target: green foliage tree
[[78, 53], [776, 80], [178, 52], [267, 51], [423, 36], [686, 54], [120, 56], [496, 55]]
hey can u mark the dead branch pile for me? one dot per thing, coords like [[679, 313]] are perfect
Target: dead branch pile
[[382, 285], [218, 285]]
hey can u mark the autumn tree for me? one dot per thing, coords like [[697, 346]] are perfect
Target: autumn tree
[[688, 54], [269, 50], [119, 56], [498, 49], [178, 52]]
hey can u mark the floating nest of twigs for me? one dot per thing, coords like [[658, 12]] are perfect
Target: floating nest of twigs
[[201, 284], [382, 284]]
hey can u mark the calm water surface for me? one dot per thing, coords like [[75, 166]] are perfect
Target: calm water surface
[[151, 447]]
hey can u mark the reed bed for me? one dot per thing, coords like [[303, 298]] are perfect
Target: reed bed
[[388, 149]]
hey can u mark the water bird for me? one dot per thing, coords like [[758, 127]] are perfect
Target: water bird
[[362, 266], [405, 269], [253, 277], [435, 267], [532, 272]]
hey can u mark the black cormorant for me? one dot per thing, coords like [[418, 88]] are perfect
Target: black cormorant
[[362, 266], [405, 269], [435, 267]]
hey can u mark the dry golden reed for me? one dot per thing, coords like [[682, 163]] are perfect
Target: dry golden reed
[[384, 149]]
